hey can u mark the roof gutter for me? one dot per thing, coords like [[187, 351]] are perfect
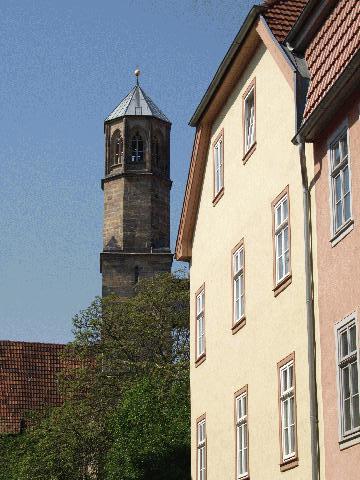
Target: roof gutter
[[221, 71], [308, 23]]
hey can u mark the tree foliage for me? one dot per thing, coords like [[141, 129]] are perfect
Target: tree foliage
[[126, 409]]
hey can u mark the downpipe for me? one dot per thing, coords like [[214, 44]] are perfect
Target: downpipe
[[314, 427]]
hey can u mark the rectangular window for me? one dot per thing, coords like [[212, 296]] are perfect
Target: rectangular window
[[287, 404], [249, 124], [238, 274], [348, 377], [201, 448], [281, 239], [200, 323], [340, 181], [218, 151], [241, 426]]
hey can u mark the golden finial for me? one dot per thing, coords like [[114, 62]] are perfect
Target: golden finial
[[137, 75]]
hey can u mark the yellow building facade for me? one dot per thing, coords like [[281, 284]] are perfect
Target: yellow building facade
[[242, 231]]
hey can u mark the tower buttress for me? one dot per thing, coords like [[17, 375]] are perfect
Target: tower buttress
[[136, 233]]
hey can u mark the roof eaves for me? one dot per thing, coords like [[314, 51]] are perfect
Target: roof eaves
[[248, 22], [347, 83]]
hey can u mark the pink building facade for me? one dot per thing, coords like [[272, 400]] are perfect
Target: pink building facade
[[330, 41]]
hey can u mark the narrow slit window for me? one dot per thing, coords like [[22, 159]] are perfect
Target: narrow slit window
[[117, 147], [282, 241], [340, 182], [242, 468], [218, 166], [287, 411], [201, 449], [347, 338], [238, 284], [200, 324], [137, 149], [249, 119]]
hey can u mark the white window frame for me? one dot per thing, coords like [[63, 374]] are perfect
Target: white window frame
[[287, 393], [238, 264], [334, 172], [249, 120], [201, 449], [344, 362], [242, 438], [200, 323], [279, 232], [219, 165]]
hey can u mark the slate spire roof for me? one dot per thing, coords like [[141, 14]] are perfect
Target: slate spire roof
[[137, 102]]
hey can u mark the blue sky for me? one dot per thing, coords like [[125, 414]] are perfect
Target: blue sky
[[65, 66]]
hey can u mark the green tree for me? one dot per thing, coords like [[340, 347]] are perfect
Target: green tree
[[131, 382]]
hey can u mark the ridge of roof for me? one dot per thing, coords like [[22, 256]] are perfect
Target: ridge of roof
[[27, 343]]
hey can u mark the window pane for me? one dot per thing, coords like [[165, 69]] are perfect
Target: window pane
[[284, 380], [286, 414], [286, 442], [285, 209], [278, 215], [292, 439], [344, 149], [356, 411], [346, 382], [347, 415], [344, 344], [291, 376], [336, 155], [347, 213], [352, 335], [354, 378], [279, 244], [339, 215], [286, 238], [241, 258], [346, 179], [338, 188]]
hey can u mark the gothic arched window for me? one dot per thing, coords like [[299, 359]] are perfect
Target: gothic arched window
[[117, 147], [156, 151], [137, 148]]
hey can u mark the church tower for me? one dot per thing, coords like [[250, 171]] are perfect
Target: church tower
[[136, 235]]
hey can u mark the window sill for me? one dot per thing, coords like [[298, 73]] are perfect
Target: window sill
[[340, 234], [238, 325], [347, 442], [249, 153], [285, 282], [218, 196], [289, 464], [200, 360]]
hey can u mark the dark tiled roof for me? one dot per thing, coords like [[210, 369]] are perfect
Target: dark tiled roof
[[28, 380], [331, 50], [281, 15]]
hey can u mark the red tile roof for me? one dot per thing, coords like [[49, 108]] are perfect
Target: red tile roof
[[28, 380], [331, 50], [281, 15]]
